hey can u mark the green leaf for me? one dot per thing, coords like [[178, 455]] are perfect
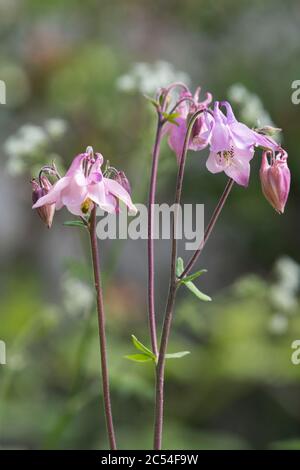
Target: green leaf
[[177, 355], [74, 223], [191, 277], [152, 101], [141, 347], [188, 283], [138, 358], [171, 117], [179, 267], [197, 292]]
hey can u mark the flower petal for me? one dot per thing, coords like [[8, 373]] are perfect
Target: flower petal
[[98, 194], [118, 191], [239, 168], [54, 194], [177, 136], [214, 163]]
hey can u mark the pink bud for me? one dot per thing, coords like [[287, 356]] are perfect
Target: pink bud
[[39, 189], [275, 179]]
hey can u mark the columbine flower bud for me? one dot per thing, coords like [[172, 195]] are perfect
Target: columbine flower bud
[[275, 179], [39, 189]]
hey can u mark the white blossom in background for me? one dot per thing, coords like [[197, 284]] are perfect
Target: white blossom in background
[[147, 78], [56, 127], [278, 324], [27, 140], [284, 293], [29, 143], [250, 106], [78, 297]]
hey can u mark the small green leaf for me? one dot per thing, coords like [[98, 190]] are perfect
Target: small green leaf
[[141, 347], [179, 267], [171, 117], [188, 283], [152, 101], [177, 355], [74, 223], [191, 277], [138, 358], [197, 292]]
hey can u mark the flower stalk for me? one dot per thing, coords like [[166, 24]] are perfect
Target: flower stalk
[[151, 202], [174, 282], [101, 327]]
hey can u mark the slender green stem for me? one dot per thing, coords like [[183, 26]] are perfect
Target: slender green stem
[[102, 336]]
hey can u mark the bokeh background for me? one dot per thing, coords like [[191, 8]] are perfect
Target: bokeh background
[[75, 74]]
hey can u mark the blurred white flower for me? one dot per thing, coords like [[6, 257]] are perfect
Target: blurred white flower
[[288, 272], [278, 324], [147, 78], [15, 165], [26, 141], [283, 298], [250, 106], [56, 127], [78, 296], [284, 291], [27, 147]]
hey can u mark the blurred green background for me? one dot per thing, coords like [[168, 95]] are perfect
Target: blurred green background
[[75, 74]]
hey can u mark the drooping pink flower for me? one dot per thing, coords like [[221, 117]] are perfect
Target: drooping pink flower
[[275, 179], [84, 185], [202, 128], [40, 188], [232, 145]]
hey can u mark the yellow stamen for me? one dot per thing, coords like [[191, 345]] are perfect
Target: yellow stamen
[[86, 205]]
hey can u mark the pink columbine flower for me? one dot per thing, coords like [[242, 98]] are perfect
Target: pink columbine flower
[[275, 179], [232, 145], [202, 128], [40, 188], [84, 185]]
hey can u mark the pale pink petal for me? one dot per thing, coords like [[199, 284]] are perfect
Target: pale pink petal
[[241, 134], [177, 136], [265, 141], [118, 191], [215, 163], [98, 194], [221, 138], [239, 167], [76, 164], [74, 195], [75, 209], [240, 173], [54, 193]]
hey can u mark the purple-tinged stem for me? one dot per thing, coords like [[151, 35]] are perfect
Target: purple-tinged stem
[[174, 284], [151, 202], [102, 336]]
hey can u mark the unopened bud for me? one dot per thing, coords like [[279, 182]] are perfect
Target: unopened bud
[[39, 189], [275, 180]]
